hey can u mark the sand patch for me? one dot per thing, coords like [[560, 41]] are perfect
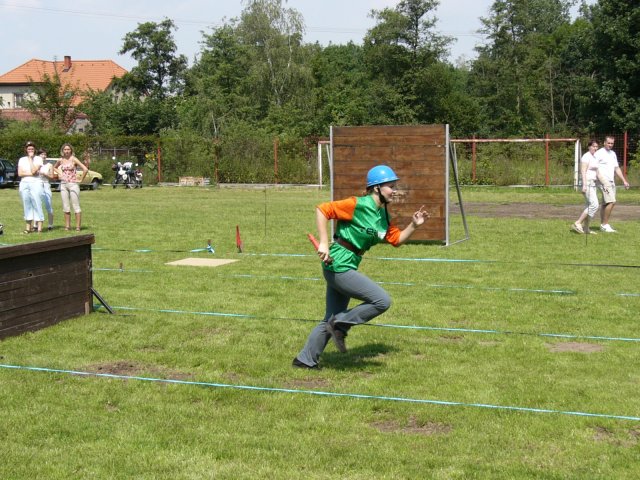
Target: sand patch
[[201, 262]]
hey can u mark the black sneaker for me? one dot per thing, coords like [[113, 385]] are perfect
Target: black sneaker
[[1, 229], [337, 334], [298, 364]]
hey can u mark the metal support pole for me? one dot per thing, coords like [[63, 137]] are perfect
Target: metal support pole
[[473, 161], [546, 160], [624, 154], [275, 159]]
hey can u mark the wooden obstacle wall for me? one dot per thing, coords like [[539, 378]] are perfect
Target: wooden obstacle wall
[[418, 155], [43, 283]]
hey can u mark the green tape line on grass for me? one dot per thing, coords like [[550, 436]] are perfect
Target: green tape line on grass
[[509, 332], [404, 284], [324, 393], [388, 325], [213, 314], [410, 284], [396, 259]]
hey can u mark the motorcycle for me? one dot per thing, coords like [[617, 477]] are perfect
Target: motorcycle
[[127, 176]]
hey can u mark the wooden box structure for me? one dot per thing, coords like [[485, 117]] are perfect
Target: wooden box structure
[[419, 154], [43, 283]]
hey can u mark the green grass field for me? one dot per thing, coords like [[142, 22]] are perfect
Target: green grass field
[[464, 377]]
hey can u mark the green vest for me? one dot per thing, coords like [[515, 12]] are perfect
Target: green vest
[[368, 227]]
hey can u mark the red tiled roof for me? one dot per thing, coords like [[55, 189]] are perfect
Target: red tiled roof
[[82, 74]]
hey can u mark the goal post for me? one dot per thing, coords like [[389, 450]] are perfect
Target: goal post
[[546, 141]]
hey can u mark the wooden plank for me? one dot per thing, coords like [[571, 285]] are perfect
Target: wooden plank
[[38, 264], [368, 155], [41, 277], [426, 131], [389, 142], [360, 166], [422, 197], [46, 246], [356, 185], [45, 313], [15, 298]]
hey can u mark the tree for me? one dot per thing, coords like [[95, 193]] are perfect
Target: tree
[[275, 34], [615, 64], [398, 51], [148, 94], [253, 69], [341, 92], [217, 90], [52, 101], [160, 71], [516, 74]]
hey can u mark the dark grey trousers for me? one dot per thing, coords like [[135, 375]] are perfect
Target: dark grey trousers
[[342, 287]]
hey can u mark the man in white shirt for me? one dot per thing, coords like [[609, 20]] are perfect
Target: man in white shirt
[[608, 167]]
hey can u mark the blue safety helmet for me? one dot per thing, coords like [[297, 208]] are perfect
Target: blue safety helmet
[[380, 174]]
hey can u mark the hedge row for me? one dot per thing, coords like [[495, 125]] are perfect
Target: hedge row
[[243, 156]]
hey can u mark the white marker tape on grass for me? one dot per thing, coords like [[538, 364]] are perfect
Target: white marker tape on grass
[[328, 394]]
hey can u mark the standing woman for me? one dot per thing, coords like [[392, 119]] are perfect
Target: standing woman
[[361, 223], [46, 174], [30, 189], [69, 188], [589, 172]]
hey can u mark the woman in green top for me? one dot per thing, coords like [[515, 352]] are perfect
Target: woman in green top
[[361, 223]]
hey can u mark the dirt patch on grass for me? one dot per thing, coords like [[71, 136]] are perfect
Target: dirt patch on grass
[[540, 210], [413, 426], [451, 338], [134, 369], [602, 434], [206, 332], [627, 439], [575, 347], [308, 383]]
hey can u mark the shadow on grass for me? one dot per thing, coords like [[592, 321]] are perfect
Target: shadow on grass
[[357, 358]]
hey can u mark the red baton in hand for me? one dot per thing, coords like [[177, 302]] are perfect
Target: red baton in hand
[[313, 240], [315, 244]]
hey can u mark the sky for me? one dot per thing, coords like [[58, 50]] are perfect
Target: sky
[[93, 30]]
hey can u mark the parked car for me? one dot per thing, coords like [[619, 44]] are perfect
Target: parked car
[[93, 180], [8, 173]]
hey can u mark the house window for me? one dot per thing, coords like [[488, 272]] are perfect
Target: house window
[[18, 98]]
